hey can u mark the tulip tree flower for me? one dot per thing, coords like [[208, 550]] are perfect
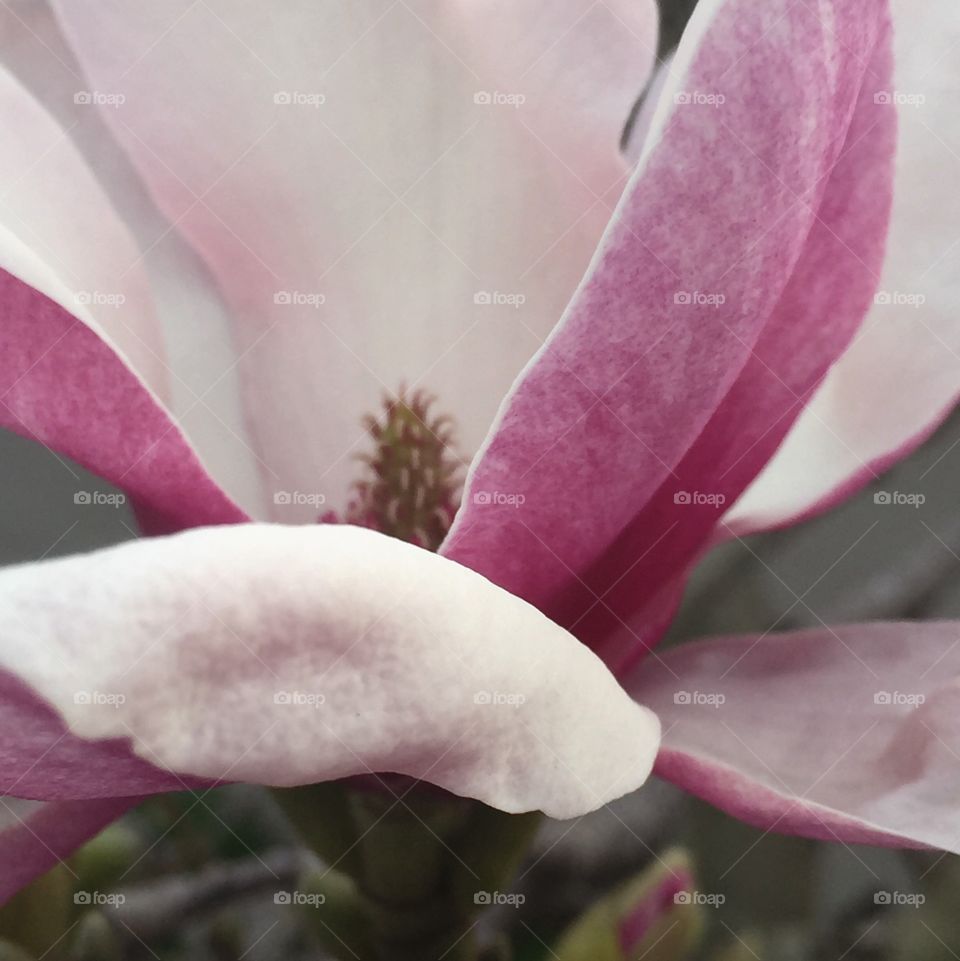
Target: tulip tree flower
[[683, 349]]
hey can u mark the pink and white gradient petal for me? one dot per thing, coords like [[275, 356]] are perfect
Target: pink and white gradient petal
[[742, 259], [846, 734], [82, 369], [375, 206], [856, 426], [290, 655]]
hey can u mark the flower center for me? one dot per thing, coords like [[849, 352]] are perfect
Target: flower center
[[412, 481]]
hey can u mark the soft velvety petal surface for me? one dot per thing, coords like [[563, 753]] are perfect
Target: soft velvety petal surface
[[902, 373], [742, 259], [570, 59], [289, 655], [35, 836], [80, 359], [385, 192], [199, 359], [848, 734]]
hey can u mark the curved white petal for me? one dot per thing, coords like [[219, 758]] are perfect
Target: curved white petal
[[290, 655]]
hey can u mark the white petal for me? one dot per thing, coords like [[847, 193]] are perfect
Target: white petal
[[291, 655]]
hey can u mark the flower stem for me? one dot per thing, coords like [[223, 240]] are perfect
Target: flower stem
[[408, 857]]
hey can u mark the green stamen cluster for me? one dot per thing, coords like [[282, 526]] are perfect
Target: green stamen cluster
[[412, 487]]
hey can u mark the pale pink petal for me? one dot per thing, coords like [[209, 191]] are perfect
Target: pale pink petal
[[741, 262], [51, 204], [901, 375], [849, 734], [580, 66], [203, 390], [36, 836], [423, 225], [289, 655], [81, 368]]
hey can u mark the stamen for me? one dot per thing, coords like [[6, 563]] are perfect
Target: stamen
[[413, 479]]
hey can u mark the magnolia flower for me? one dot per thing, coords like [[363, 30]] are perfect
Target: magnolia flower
[[682, 349]]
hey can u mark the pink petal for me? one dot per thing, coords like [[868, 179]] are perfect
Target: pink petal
[[856, 426], [653, 908], [35, 836], [290, 655], [846, 734], [199, 359], [81, 366], [41, 758], [61, 235], [773, 198], [399, 200]]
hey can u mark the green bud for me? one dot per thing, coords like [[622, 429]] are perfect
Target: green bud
[[652, 917]]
